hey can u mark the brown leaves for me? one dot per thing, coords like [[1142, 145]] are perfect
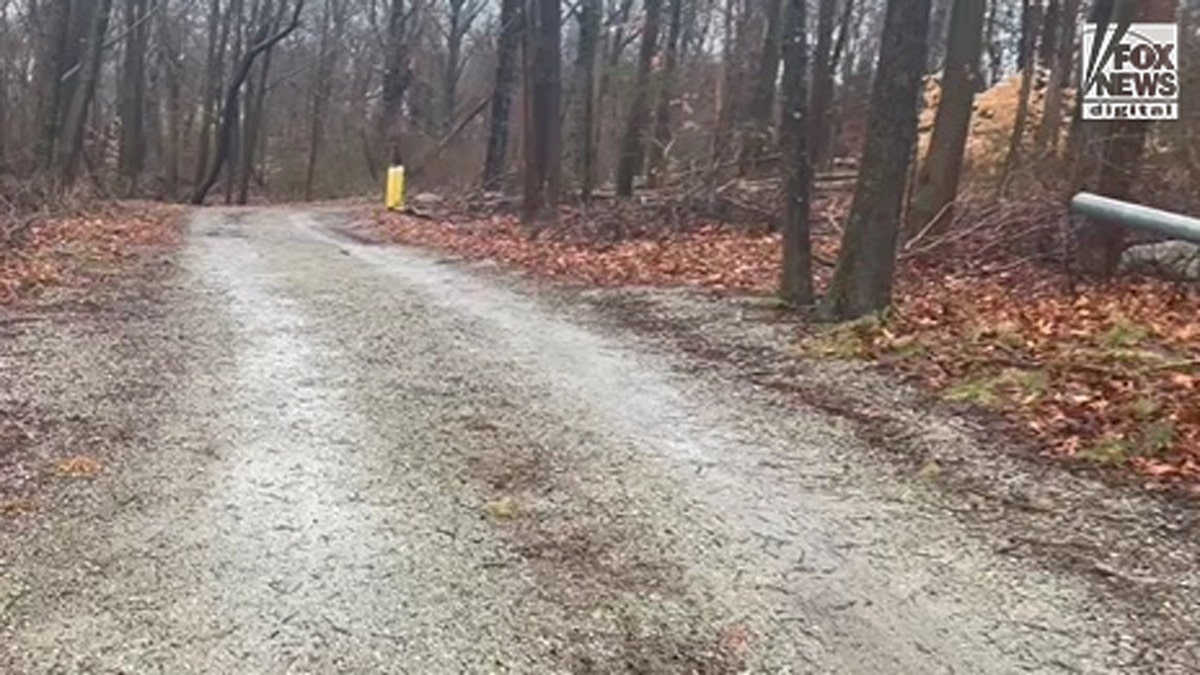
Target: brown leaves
[[75, 250], [707, 257], [79, 466], [1107, 372]]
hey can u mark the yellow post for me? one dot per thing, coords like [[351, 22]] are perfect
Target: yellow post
[[394, 199]]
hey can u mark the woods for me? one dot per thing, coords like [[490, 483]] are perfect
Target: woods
[[237, 101]]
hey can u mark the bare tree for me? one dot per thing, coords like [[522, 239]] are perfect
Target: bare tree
[[633, 141], [543, 119], [263, 40], [762, 102], [796, 284], [506, 79], [461, 15], [133, 93], [862, 280], [661, 143], [1030, 22], [938, 178], [85, 74], [590, 17], [1061, 61], [396, 78]]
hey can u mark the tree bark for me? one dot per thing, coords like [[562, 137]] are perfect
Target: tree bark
[[662, 114], [506, 80], [796, 285], [396, 78], [633, 141], [1030, 21], [70, 146], [590, 13], [133, 95], [52, 65], [938, 178], [762, 103], [263, 41], [1061, 62], [862, 281], [543, 111], [822, 88]]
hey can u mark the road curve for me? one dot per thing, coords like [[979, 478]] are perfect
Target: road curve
[[364, 459]]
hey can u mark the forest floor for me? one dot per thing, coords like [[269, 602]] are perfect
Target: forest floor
[[295, 448], [1101, 375]]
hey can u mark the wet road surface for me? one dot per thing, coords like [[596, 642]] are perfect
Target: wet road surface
[[363, 459]]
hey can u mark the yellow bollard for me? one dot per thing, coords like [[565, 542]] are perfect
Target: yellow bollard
[[394, 199]]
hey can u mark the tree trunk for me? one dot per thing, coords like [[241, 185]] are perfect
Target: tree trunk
[[396, 77], [796, 285], [822, 89], [252, 126], [52, 65], [633, 142], [506, 80], [1099, 244], [218, 38], [862, 281], [543, 111], [590, 13], [762, 103], [331, 33], [662, 114], [937, 181], [133, 95], [263, 41], [70, 146], [1030, 21], [1061, 62], [994, 52]]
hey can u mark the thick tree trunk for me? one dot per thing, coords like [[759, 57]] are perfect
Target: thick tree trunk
[[662, 115], [937, 181], [590, 13], [506, 80], [762, 102], [633, 141], [133, 95], [543, 111], [862, 281], [796, 285], [70, 146], [396, 77], [52, 65]]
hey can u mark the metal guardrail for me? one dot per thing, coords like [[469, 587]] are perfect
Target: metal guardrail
[[1173, 225]]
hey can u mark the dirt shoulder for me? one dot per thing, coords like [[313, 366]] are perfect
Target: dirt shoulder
[[71, 287]]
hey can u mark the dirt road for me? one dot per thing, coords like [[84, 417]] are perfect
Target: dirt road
[[329, 456]]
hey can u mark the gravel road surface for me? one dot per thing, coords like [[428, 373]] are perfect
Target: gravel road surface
[[325, 456]]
